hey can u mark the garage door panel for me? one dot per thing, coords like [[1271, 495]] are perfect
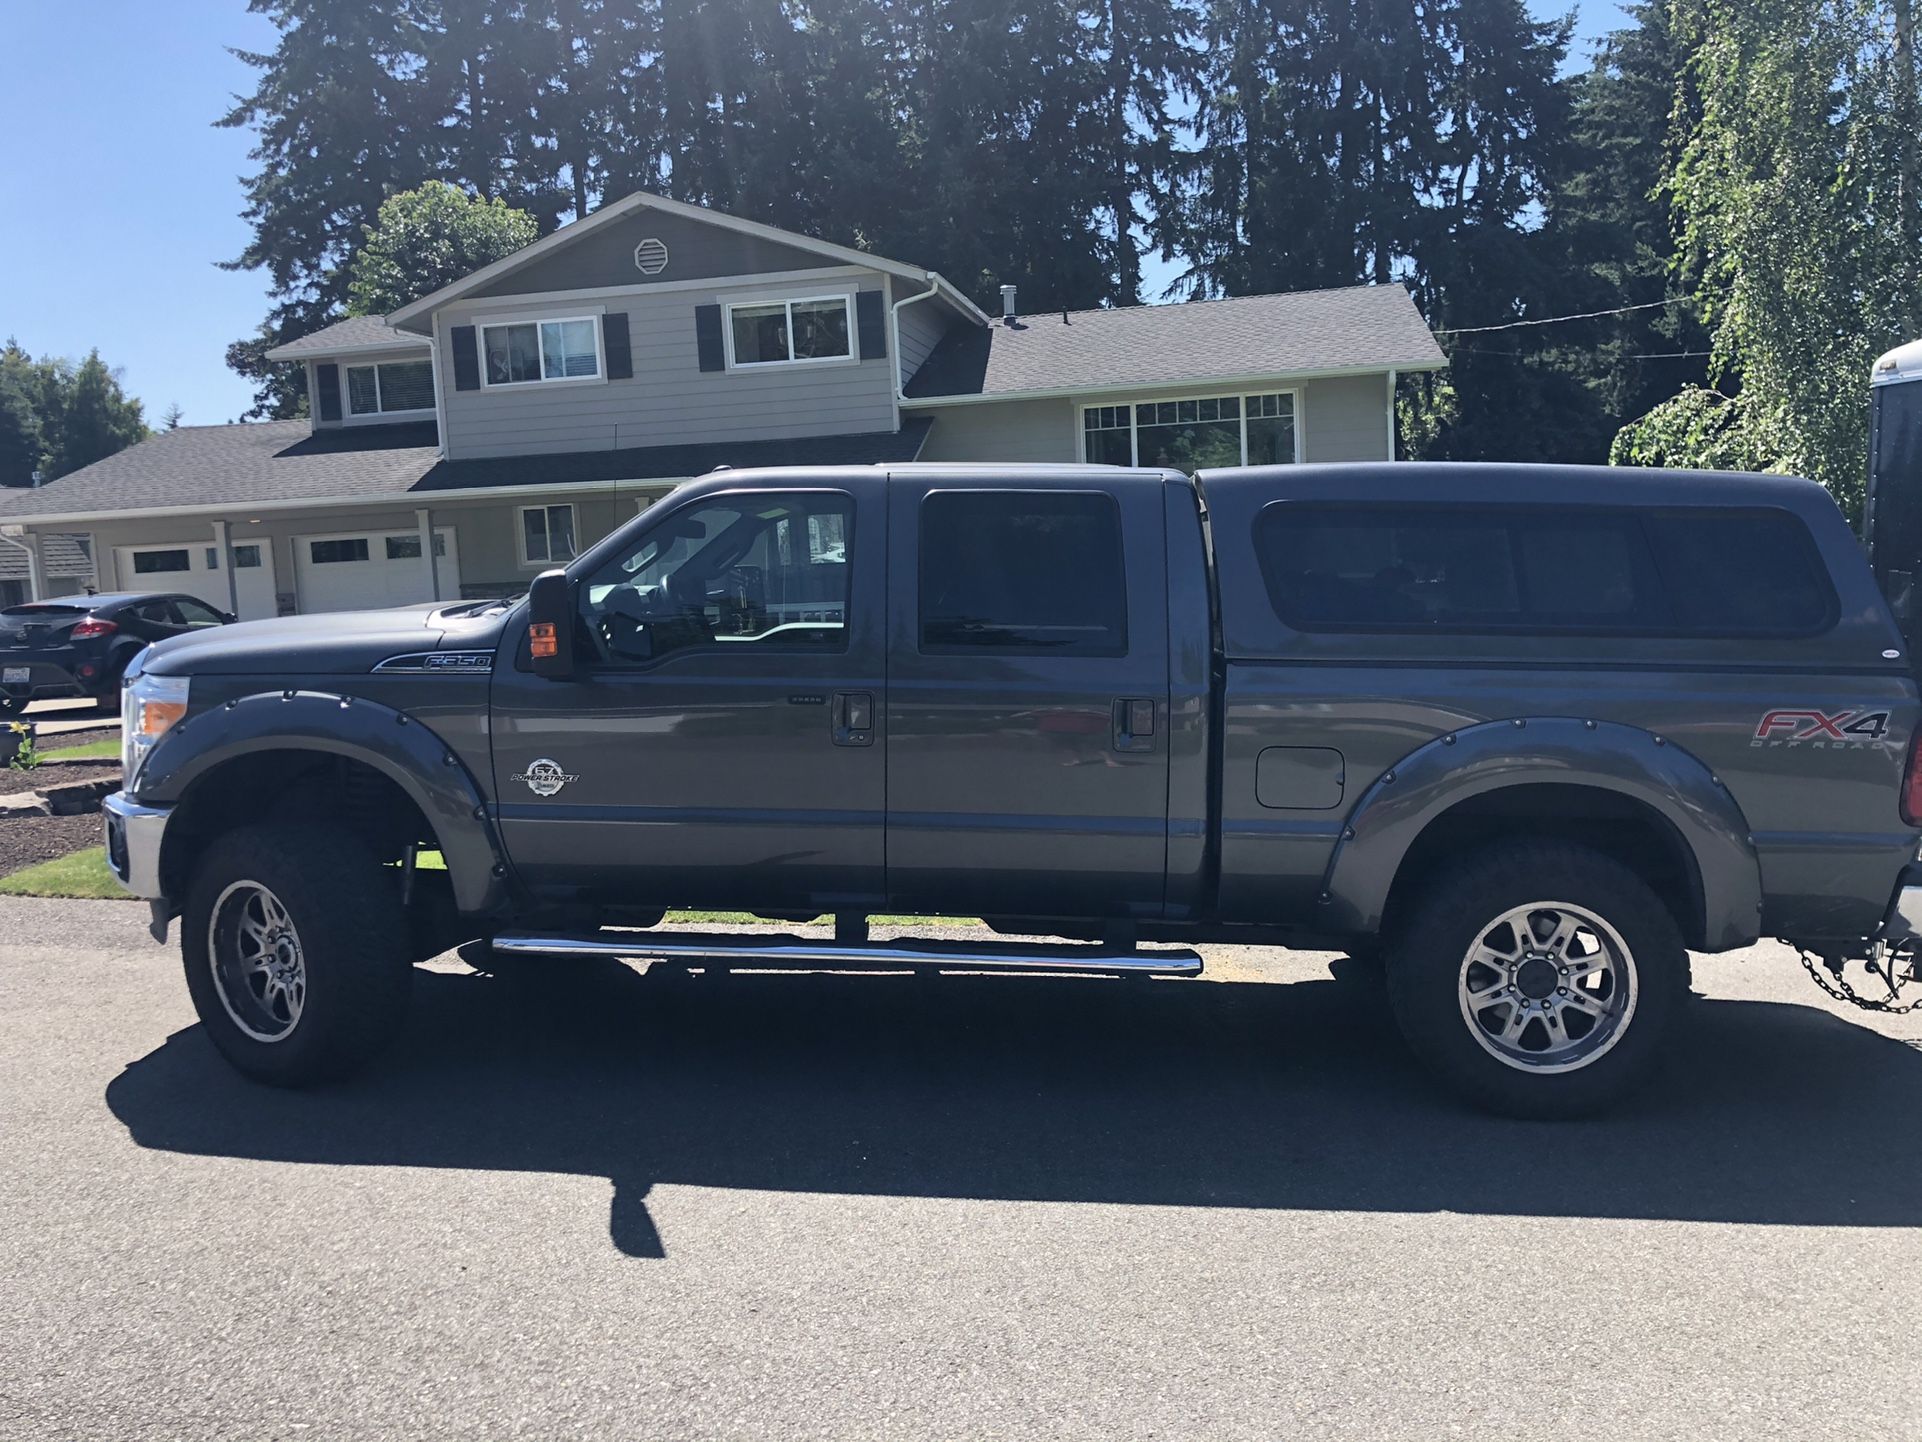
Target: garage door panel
[[368, 570], [194, 570]]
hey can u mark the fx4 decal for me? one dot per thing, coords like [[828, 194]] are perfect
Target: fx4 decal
[[1821, 728]]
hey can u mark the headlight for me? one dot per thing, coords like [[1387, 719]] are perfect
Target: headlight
[[148, 706]]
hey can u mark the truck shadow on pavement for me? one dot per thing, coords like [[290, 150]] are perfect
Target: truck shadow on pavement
[[1196, 1094]]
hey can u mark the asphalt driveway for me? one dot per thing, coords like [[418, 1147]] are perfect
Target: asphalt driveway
[[633, 1205]]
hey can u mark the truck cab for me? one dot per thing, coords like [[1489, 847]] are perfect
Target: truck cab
[[1528, 734]]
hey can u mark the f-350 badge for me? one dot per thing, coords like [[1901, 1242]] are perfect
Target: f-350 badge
[[545, 777]]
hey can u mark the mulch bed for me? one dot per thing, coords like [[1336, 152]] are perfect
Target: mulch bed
[[41, 777], [29, 840]]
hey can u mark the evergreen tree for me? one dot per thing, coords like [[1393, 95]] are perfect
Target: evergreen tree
[[97, 419], [22, 444]]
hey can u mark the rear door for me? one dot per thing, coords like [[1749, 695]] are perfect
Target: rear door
[[1027, 760], [718, 744]]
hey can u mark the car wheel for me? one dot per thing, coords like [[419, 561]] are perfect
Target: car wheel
[[296, 950], [107, 703], [1537, 979]]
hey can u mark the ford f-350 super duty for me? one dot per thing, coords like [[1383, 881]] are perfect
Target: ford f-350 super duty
[[1529, 735]]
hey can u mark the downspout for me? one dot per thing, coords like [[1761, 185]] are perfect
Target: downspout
[[894, 322], [36, 575]]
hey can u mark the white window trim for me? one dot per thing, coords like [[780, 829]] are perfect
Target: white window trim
[[528, 563], [483, 326], [853, 357], [1134, 439], [347, 389]]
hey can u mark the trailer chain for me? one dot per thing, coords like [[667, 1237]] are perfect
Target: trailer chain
[[1827, 974]]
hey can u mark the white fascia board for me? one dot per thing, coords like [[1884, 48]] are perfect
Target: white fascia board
[[1279, 381], [301, 351]]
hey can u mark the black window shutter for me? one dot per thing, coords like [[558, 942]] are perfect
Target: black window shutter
[[620, 358], [466, 358], [327, 383], [874, 332], [707, 336]]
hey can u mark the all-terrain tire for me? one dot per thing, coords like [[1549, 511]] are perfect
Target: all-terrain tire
[[1431, 939], [352, 941]]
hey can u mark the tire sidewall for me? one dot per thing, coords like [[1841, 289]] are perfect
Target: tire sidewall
[[355, 983], [1426, 960]]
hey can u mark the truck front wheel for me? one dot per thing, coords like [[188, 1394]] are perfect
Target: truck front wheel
[[296, 949], [1537, 978]]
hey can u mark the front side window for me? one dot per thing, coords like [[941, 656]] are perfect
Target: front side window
[[545, 350], [1022, 571], [547, 535], [741, 573], [783, 331], [393, 386], [196, 614], [1188, 435]]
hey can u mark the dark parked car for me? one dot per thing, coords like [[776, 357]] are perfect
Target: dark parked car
[[80, 645]]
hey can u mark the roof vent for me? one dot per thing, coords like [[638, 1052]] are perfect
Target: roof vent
[[1007, 303], [650, 256]]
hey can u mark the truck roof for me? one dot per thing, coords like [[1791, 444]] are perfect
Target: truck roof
[[1518, 483]]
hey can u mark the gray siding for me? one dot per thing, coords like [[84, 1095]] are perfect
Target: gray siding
[[1003, 431], [922, 326], [669, 400], [695, 251], [1345, 419]]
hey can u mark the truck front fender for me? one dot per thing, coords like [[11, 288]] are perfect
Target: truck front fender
[[391, 742], [1556, 751]]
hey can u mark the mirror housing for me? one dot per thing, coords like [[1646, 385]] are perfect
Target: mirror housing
[[550, 627]]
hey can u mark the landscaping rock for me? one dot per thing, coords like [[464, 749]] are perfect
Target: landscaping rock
[[76, 798]]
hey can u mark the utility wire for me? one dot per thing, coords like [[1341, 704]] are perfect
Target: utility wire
[[1558, 319]]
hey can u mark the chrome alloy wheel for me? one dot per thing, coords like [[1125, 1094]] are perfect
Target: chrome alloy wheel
[[259, 971], [1547, 987]]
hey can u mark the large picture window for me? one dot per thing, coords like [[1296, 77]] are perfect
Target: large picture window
[[1187, 435], [786, 332], [392, 386], [525, 352]]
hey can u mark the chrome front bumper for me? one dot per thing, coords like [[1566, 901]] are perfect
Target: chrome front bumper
[[134, 835]]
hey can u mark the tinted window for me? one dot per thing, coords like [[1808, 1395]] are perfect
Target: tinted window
[[330, 552], [1023, 570], [1701, 572], [741, 573], [1742, 572], [193, 613], [148, 563]]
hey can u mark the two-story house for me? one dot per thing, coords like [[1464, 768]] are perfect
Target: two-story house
[[497, 426]]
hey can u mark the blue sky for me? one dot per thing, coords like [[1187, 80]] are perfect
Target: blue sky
[[127, 195]]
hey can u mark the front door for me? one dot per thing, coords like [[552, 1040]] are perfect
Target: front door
[[719, 743], [1027, 697]]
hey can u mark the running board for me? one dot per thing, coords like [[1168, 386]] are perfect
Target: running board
[[774, 952]]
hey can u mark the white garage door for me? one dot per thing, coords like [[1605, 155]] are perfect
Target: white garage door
[[195, 571], [365, 570]]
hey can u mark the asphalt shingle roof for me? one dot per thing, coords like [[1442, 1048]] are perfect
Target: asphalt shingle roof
[[359, 332], [61, 553], [281, 461], [1363, 326]]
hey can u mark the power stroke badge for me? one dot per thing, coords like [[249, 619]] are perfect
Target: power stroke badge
[[544, 777]]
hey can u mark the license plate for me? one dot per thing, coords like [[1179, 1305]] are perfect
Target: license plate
[[16, 675]]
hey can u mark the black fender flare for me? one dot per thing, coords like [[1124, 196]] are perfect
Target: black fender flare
[[391, 742], [1603, 755]]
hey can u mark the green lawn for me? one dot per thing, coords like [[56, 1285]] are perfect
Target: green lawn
[[107, 748], [84, 876]]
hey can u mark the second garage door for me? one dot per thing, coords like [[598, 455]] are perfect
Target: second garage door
[[365, 570]]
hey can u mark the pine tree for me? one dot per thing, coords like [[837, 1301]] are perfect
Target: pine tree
[[97, 419], [22, 444]]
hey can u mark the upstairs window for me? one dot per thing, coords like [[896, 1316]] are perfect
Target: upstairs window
[[390, 387], [526, 352], [787, 332]]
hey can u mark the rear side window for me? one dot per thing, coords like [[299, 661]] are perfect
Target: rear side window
[[1700, 572], [1023, 571]]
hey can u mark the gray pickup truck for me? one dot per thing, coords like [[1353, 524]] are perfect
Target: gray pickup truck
[[1527, 734]]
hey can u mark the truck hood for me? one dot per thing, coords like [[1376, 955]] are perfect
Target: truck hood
[[336, 643]]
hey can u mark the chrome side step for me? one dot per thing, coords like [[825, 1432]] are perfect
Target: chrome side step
[[783, 951]]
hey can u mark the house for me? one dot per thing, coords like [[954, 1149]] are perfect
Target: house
[[467, 441]]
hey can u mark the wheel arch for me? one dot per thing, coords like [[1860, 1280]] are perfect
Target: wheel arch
[[235, 762], [1626, 791]]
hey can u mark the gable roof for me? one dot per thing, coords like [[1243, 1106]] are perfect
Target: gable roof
[[280, 465], [357, 332], [408, 317], [1298, 333]]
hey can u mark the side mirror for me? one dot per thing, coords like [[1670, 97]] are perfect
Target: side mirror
[[550, 629]]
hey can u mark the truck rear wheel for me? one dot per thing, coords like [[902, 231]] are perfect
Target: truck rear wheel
[[1537, 978], [296, 949]]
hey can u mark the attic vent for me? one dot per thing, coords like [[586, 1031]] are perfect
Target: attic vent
[[650, 256]]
